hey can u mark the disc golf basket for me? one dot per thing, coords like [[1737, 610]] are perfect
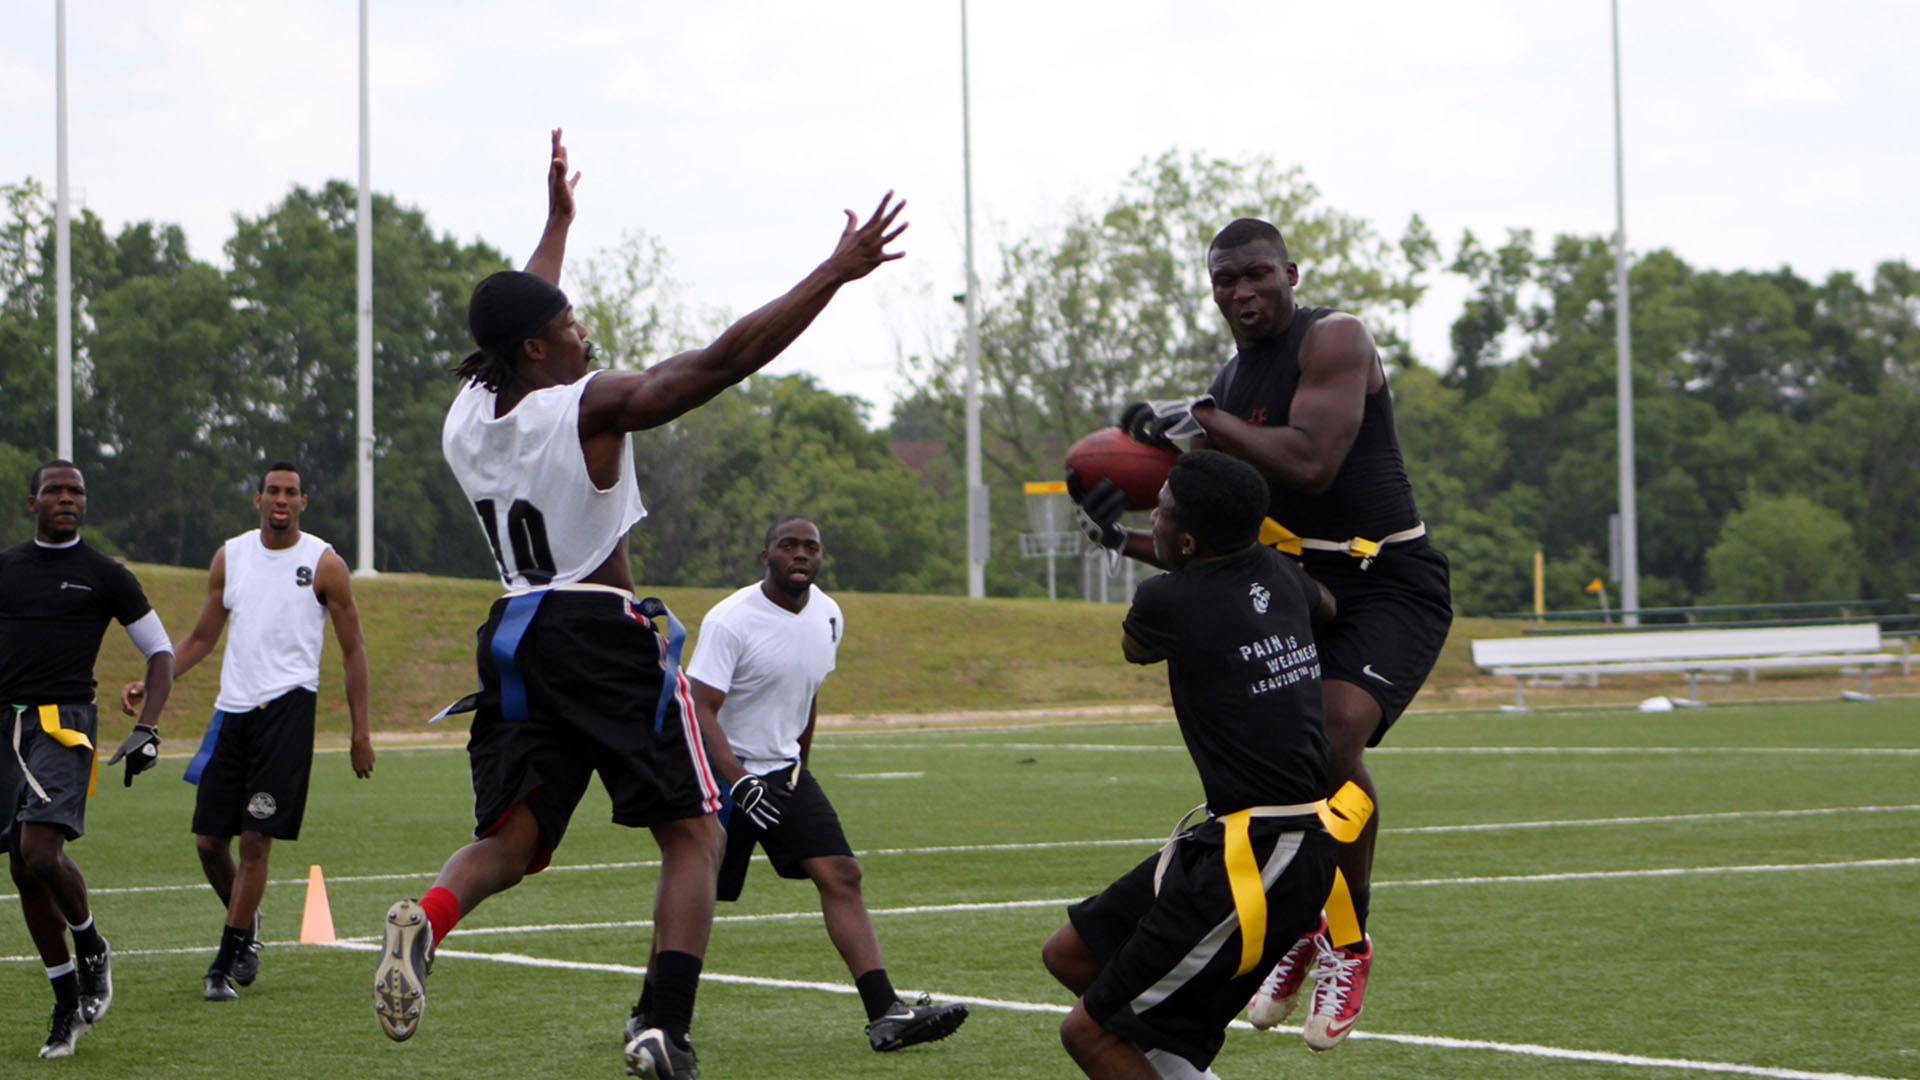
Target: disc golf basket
[[1050, 521]]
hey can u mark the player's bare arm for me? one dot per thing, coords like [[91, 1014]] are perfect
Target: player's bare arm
[[1324, 607], [196, 646], [806, 736], [1137, 653], [551, 252], [1338, 368], [619, 402], [706, 709], [335, 589]]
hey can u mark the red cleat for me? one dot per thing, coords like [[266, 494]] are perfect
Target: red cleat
[[1339, 988], [1275, 999]]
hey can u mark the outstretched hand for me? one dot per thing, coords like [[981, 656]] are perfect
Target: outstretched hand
[[863, 247], [559, 185]]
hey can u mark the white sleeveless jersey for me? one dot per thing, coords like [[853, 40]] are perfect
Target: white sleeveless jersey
[[275, 621], [525, 474]]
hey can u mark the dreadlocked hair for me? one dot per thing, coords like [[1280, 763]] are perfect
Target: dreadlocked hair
[[485, 369]]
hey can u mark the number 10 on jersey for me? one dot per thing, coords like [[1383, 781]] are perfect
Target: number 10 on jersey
[[526, 535]]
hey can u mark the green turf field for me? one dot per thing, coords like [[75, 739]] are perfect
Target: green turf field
[[1724, 891]]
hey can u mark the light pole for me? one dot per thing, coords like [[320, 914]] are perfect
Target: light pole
[[62, 247], [977, 537], [364, 306], [1623, 351]]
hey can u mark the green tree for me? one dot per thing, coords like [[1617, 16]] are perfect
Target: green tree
[[294, 278], [1783, 549]]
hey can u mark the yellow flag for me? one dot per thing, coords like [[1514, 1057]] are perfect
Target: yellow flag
[[1594, 586]]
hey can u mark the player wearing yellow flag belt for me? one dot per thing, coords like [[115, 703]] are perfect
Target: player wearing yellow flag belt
[[1166, 956], [57, 595], [1305, 401]]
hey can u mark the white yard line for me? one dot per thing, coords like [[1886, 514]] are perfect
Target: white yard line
[[1053, 845], [1866, 751], [1536, 1050]]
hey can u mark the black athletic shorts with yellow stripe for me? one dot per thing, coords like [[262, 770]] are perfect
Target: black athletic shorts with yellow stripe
[[46, 767], [1171, 963]]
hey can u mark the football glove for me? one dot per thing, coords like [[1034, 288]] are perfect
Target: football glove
[[1097, 513], [750, 798], [141, 750], [1158, 423]]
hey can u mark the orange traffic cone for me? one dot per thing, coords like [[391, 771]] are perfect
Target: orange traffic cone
[[316, 924]]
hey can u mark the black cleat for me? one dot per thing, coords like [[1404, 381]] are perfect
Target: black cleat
[[219, 986], [68, 1026], [246, 966], [653, 1055], [400, 982], [910, 1025], [96, 984]]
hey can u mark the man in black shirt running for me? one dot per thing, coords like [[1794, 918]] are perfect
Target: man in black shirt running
[[57, 595]]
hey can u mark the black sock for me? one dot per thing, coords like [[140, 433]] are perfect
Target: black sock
[[87, 940], [1360, 899], [232, 940], [645, 1004], [676, 977], [66, 986], [876, 992]]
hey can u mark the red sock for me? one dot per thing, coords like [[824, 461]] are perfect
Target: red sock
[[443, 911]]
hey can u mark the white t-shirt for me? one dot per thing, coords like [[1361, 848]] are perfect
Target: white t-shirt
[[770, 662], [276, 622], [525, 475]]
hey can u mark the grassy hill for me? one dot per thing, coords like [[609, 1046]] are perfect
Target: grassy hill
[[903, 655]]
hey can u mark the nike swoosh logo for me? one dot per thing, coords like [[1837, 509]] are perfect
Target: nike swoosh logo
[[1368, 671], [75, 585], [1336, 1028]]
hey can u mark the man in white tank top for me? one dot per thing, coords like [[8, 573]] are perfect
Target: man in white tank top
[[764, 651], [279, 585], [568, 659]]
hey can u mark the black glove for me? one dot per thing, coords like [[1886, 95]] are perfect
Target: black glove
[[750, 798], [141, 749], [1097, 512], [1158, 423]]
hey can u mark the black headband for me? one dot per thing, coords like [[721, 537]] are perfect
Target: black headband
[[511, 306]]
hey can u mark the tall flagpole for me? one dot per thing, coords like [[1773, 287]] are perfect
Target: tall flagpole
[[977, 536], [1623, 352], [62, 247], [364, 406]]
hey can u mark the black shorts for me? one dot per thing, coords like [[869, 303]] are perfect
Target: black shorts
[[808, 828], [43, 780], [1391, 621], [252, 769], [579, 693], [1167, 979]]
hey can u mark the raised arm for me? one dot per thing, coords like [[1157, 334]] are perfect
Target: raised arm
[[335, 587], [552, 249], [1337, 365], [622, 401]]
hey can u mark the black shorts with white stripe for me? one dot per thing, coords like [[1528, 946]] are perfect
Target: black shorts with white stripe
[[1168, 962]]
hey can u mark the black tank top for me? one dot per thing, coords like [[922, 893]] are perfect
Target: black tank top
[[1370, 496]]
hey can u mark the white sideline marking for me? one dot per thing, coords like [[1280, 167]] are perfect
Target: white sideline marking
[[1062, 902], [1435, 1041], [885, 775], [1047, 845], [1870, 751]]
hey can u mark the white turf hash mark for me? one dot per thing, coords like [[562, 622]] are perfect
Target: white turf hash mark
[[1053, 845]]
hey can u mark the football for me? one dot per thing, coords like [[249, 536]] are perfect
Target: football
[[1136, 469]]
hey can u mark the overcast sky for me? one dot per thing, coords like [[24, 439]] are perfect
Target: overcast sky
[[1758, 133]]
